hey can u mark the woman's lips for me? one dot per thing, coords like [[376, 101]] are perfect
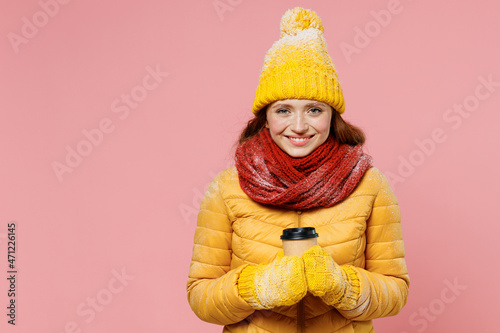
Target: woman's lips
[[299, 141]]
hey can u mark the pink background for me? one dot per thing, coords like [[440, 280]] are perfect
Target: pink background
[[128, 207]]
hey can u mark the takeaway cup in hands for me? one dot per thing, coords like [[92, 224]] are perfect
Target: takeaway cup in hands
[[298, 240]]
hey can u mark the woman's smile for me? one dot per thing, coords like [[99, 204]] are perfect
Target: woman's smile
[[300, 141]]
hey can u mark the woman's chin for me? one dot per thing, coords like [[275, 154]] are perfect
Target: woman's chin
[[298, 152]]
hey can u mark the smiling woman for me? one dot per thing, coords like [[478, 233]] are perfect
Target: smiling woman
[[298, 164]]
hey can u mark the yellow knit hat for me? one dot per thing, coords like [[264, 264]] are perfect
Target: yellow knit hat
[[298, 66]]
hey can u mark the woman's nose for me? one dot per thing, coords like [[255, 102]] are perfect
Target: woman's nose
[[299, 124]]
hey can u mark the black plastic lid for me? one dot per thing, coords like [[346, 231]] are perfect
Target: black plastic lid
[[299, 233]]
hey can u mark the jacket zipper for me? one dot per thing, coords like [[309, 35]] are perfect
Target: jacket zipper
[[300, 305], [300, 317]]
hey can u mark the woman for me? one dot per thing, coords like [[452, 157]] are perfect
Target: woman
[[298, 164]]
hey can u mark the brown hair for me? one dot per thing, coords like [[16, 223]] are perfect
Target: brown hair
[[341, 130]]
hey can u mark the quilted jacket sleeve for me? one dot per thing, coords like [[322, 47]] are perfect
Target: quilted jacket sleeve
[[384, 282], [212, 287]]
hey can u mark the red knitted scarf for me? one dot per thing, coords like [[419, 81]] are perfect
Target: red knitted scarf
[[270, 176]]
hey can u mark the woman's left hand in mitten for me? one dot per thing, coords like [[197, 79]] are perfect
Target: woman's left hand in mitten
[[336, 285]]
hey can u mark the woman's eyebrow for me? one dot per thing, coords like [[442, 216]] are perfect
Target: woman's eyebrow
[[316, 104], [280, 105], [285, 105]]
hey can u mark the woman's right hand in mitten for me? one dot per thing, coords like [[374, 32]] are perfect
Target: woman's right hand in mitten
[[281, 282]]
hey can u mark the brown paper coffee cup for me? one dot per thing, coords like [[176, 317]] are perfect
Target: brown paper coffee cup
[[297, 240]]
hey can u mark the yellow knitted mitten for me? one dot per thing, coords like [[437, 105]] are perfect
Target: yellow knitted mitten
[[281, 282], [336, 285]]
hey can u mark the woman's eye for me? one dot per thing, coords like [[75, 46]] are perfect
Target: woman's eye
[[315, 110], [282, 111]]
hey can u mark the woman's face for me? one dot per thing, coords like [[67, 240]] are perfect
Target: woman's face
[[299, 126]]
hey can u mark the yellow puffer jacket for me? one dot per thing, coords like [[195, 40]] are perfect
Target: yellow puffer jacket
[[234, 231]]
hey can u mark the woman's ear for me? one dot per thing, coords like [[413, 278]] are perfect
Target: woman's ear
[[267, 124]]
